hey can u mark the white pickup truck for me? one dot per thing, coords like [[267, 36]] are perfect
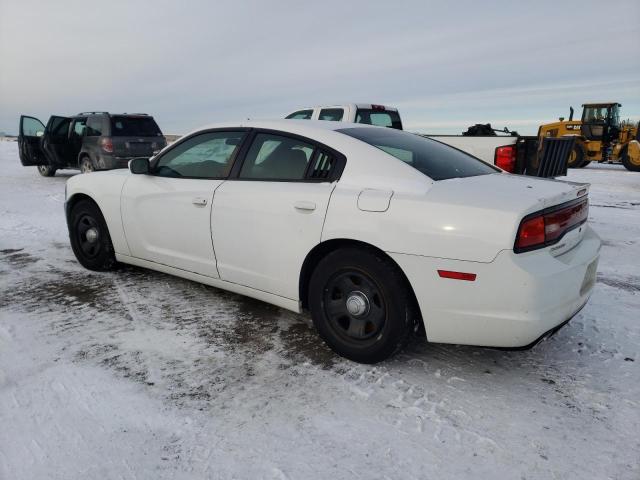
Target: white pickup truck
[[511, 152]]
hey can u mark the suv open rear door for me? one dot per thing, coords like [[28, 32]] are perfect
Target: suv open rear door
[[30, 141]]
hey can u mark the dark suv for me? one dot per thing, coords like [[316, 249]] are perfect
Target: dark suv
[[88, 141]]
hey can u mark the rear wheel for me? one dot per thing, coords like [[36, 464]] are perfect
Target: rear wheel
[[576, 157], [46, 170], [628, 162], [86, 166], [361, 304], [585, 163], [90, 239]]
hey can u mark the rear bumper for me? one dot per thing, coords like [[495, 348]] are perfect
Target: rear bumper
[[515, 300], [109, 163]]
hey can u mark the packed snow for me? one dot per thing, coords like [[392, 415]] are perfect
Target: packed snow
[[135, 374]]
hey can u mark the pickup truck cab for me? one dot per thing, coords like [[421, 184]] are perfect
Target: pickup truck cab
[[370, 114], [506, 150], [87, 141]]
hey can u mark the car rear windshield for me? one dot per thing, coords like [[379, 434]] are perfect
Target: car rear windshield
[[134, 127], [379, 118], [436, 160]]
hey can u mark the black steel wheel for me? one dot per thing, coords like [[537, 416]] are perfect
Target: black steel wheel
[[90, 238], [361, 304], [46, 170]]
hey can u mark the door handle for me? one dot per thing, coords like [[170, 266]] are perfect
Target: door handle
[[199, 201], [304, 205]]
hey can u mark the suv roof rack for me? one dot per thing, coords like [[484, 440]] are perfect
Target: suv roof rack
[[132, 113], [90, 113]]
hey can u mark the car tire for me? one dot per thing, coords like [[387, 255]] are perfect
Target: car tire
[[86, 165], [90, 239], [576, 158], [46, 170], [585, 163], [361, 304]]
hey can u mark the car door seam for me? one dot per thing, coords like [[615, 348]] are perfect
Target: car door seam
[[213, 246]]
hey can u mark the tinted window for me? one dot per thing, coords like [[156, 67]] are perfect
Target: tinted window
[[32, 127], [94, 126], [79, 126], [301, 115], [274, 157], [331, 114], [436, 160], [323, 164], [134, 127], [380, 118], [59, 126], [204, 156]]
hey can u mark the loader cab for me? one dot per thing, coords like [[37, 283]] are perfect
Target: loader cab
[[600, 121]]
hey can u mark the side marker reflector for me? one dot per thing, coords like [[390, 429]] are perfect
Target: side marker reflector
[[470, 277]]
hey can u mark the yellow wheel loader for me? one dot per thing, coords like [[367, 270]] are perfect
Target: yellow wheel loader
[[600, 136]]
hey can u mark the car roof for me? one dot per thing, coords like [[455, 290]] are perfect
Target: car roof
[[288, 125]]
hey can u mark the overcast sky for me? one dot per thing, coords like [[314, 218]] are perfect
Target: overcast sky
[[446, 65]]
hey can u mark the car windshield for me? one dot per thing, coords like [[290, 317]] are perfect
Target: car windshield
[[436, 160], [122, 126]]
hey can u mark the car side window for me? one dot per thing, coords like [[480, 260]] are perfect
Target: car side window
[[276, 157], [94, 126], [331, 114], [208, 155], [301, 115]]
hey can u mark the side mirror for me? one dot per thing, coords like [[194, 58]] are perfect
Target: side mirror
[[139, 166]]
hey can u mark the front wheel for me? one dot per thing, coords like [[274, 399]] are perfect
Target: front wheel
[[361, 304], [46, 170], [90, 239], [576, 157]]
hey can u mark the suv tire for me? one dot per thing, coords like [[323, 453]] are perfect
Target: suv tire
[[361, 304], [46, 170], [86, 165]]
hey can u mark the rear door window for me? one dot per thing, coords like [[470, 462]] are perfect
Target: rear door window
[[331, 114], [122, 126], [379, 118], [301, 115], [276, 157]]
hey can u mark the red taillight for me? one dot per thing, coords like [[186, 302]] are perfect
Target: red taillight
[[547, 227], [470, 277], [106, 144], [531, 233], [505, 158]]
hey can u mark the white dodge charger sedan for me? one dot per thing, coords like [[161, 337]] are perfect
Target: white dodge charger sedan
[[379, 233]]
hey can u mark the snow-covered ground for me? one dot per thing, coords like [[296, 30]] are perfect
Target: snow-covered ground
[[137, 374]]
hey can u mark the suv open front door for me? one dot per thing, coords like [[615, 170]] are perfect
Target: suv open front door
[[30, 142]]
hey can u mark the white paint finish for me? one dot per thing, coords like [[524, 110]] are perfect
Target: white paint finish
[[262, 236], [104, 188], [262, 231], [166, 221], [373, 200], [513, 301]]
